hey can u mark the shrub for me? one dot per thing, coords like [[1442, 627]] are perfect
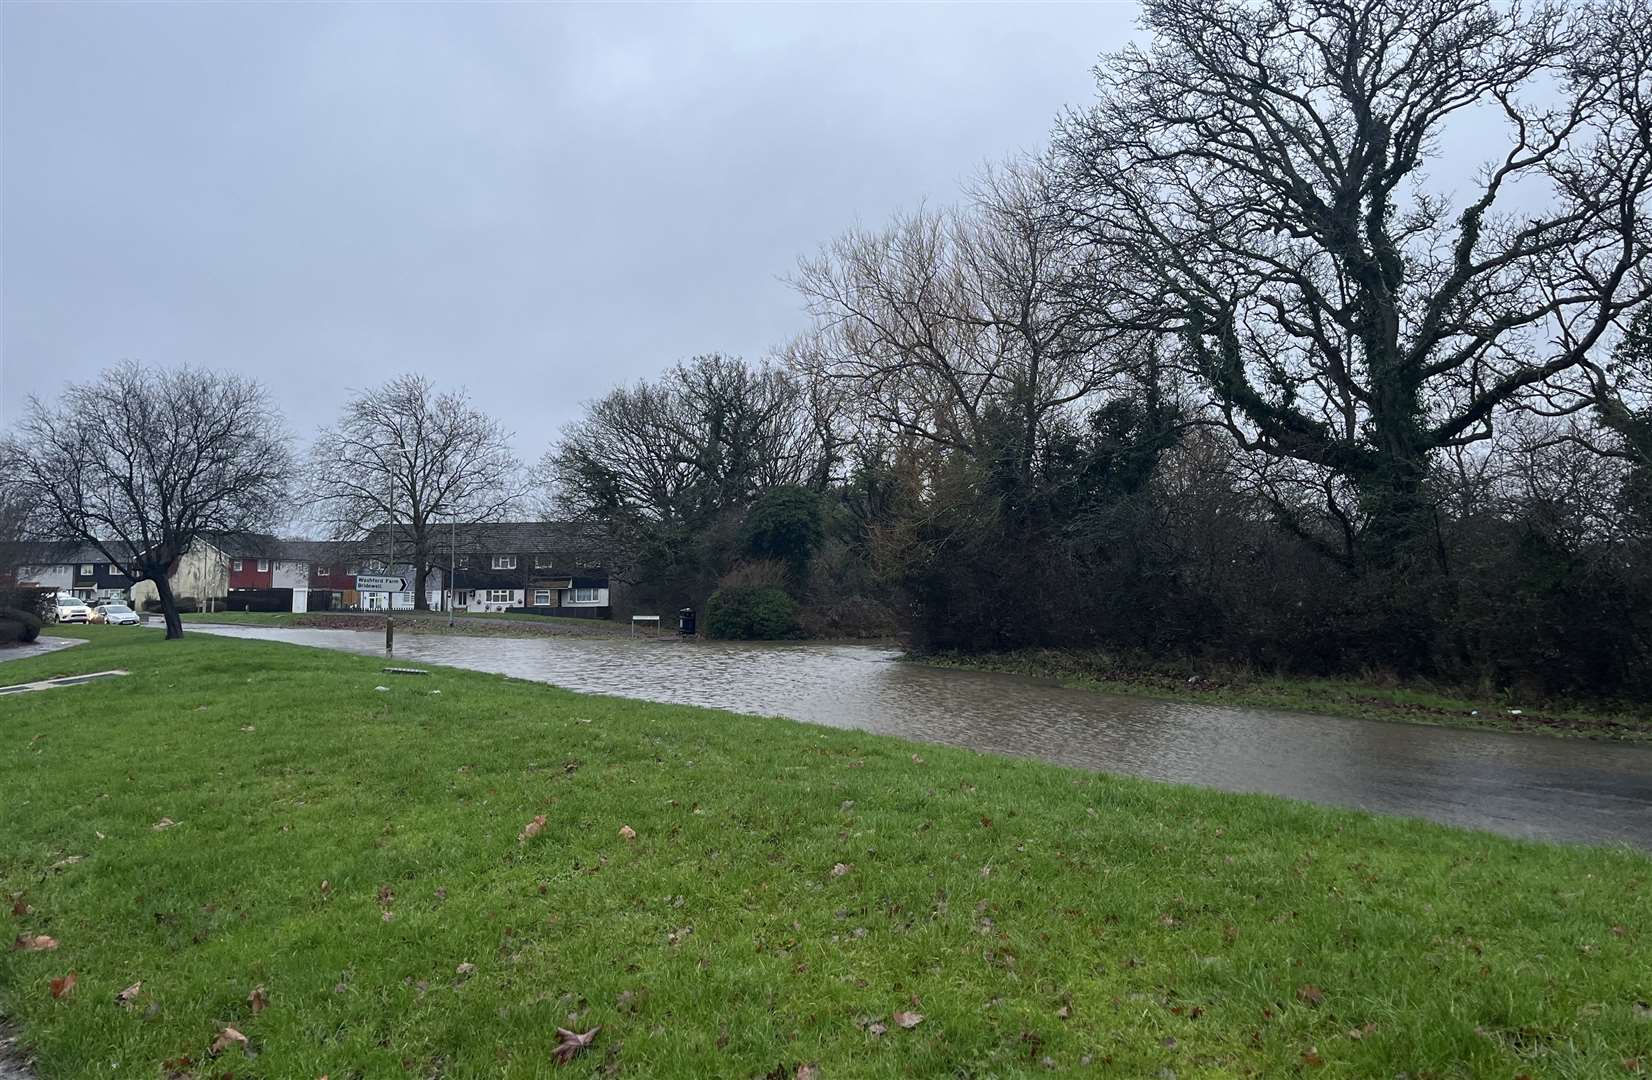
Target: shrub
[[37, 602], [18, 625], [762, 612]]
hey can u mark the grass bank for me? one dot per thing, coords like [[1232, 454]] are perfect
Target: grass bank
[[500, 624], [266, 841], [1371, 700]]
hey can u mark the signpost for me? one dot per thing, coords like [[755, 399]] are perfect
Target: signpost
[[380, 583]]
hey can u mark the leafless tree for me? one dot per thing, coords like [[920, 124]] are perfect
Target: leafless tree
[[408, 459], [710, 434], [1254, 186], [142, 463], [947, 325]]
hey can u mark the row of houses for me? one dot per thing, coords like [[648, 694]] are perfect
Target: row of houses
[[542, 567]]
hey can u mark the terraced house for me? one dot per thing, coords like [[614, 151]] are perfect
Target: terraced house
[[547, 568]]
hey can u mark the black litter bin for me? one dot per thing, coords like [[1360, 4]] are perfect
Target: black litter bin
[[685, 621]]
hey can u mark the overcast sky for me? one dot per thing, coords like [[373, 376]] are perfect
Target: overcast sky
[[533, 201]]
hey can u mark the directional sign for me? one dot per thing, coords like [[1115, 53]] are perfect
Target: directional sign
[[380, 583]]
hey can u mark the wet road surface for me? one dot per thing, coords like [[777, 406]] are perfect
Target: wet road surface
[[1519, 785]]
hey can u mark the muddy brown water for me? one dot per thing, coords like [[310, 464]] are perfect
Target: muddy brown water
[[1518, 785]]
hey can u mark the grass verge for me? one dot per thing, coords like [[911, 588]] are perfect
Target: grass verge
[[353, 859], [1369, 700]]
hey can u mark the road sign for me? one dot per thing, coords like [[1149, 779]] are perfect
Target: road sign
[[380, 583]]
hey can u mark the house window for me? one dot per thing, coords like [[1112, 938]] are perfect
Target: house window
[[504, 562], [542, 597], [263, 566], [540, 562], [323, 571], [236, 566], [499, 596], [87, 569], [585, 596]]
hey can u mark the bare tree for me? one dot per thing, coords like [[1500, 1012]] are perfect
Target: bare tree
[[142, 463], [409, 459], [710, 434], [1253, 186], [947, 326]]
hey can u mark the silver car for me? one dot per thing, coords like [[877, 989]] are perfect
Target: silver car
[[115, 613]]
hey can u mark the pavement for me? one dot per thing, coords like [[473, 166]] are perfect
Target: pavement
[[39, 647]]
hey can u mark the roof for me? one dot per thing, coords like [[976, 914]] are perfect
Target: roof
[[568, 541]]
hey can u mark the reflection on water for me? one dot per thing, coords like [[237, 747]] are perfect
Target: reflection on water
[[1519, 785]]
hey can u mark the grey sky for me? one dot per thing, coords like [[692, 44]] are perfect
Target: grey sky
[[533, 201]]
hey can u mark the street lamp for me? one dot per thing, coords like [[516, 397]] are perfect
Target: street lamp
[[390, 560]]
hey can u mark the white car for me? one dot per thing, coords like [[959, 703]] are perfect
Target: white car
[[69, 610], [115, 613]]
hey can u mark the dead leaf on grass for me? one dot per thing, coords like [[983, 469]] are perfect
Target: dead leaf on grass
[[227, 1038], [258, 1000], [63, 864], [19, 906], [1311, 1058], [64, 985], [808, 1072], [1309, 994], [531, 829], [129, 995], [628, 832], [839, 869], [908, 1020], [34, 943], [164, 823], [466, 969], [570, 1043]]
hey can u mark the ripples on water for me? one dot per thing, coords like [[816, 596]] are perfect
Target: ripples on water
[[1561, 789]]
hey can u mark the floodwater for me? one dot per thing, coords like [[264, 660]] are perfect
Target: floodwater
[[1519, 785]]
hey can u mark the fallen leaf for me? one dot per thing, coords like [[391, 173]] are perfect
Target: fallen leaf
[[876, 1028], [839, 869], [386, 895], [808, 1072], [39, 943], [1064, 1013], [248, 728], [467, 969], [628, 832], [227, 1038], [916, 760], [129, 995], [1362, 1032], [164, 823], [258, 1000], [1311, 1058], [908, 1020], [570, 1043], [64, 985], [986, 822], [1309, 994], [65, 863], [531, 829], [19, 906]]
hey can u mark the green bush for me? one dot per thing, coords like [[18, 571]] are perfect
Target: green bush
[[762, 613], [18, 625]]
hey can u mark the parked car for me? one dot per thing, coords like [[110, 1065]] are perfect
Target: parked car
[[71, 609], [115, 613]]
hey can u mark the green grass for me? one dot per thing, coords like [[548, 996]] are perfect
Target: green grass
[[1028, 912], [1373, 699]]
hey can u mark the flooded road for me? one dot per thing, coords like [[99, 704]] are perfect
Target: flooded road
[[1519, 785]]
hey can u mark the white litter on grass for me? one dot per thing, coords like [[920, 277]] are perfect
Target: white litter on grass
[[435, 691], [381, 688]]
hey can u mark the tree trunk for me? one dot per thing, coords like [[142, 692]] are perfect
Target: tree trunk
[[421, 578], [169, 607]]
